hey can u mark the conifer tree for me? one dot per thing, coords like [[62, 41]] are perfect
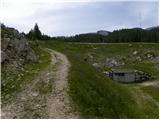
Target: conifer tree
[[37, 32]]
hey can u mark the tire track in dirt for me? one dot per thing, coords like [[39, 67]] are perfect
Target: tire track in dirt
[[30, 103], [59, 105]]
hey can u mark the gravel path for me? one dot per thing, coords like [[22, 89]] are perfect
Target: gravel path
[[59, 105], [31, 103]]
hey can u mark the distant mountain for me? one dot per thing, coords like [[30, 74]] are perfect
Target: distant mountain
[[123, 35], [103, 32], [134, 35], [151, 28]]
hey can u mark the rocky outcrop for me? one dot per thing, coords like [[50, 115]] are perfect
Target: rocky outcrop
[[15, 47]]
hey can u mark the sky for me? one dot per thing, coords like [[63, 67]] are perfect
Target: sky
[[70, 17]]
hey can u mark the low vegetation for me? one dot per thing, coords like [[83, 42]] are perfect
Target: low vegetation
[[152, 91], [97, 96], [94, 94], [13, 80]]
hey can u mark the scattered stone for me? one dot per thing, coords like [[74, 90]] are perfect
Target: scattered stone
[[5, 42], [23, 98], [35, 94], [111, 62], [135, 52], [149, 56], [106, 73], [96, 65], [3, 56], [138, 58], [90, 56], [15, 47], [31, 57]]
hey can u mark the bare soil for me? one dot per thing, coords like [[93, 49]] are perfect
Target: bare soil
[[151, 83], [54, 102]]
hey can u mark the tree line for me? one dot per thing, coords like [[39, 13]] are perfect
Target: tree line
[[117, 36], [36, 34]]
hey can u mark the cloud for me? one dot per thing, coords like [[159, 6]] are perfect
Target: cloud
[[68, 17]]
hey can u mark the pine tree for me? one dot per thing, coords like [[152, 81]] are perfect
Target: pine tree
[[30, 35], [37, 32]]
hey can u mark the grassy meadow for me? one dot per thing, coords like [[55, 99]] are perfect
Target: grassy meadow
[[97, 96]]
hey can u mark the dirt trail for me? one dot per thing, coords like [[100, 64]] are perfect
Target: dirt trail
[[150, 83], [142, 98], [59, 103], [31, 102]]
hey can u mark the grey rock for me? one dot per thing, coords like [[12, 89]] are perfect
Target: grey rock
[[149, 55], [111, 62], [3, 56], [138, 58], [5, 42], [90, 56], [135, 52], [15, 32], [22, 47], [35, 94], [31, 57], [15, 49], [96, 65]]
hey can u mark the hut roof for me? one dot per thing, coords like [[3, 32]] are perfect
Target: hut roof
[[123, 71]]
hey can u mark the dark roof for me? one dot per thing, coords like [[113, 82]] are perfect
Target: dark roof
[[123, 71]]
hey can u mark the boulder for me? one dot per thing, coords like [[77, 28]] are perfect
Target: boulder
[[31, 57], [5, 43], [22, 47], [3, 56], [15, 48], [15, 32]]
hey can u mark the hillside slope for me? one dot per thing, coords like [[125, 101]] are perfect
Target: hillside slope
[[21, 59], [45, 96], [97, 96]]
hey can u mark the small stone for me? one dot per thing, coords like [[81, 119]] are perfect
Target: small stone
[[35, 94], [96, 65], [135, 53], [23, 98], [138, 58]]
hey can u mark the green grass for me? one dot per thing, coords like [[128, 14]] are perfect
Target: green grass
[[95, 95], [6, 31], [12, 81], [152, 91], [43, 87], [146, 67]]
